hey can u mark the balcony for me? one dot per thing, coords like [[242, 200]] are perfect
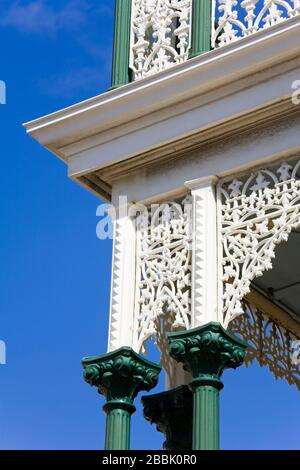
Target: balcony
[[194, 108], [162, 31]]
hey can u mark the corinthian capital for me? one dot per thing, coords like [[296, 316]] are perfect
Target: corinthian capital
[[207, 350], [120, 375]]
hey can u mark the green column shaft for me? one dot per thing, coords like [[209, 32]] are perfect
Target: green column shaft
[[206, 351], [201, 27], [120, 375], [120, 66], [206, 418], [118, 426]]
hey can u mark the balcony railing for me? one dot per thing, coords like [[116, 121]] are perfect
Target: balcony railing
[[160, 35], [163, 31], [235, 19]]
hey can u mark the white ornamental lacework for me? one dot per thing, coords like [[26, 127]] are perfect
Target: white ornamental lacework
[[270, 344], [257, 213], [163, 275], [236, 19], [161, 33]]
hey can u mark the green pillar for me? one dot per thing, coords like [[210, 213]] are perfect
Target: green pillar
[[117, 436], [201, 27], [119, 376], [120, 65], [206, 418], [206, 351]]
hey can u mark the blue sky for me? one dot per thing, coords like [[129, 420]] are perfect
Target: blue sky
[[55, 273]]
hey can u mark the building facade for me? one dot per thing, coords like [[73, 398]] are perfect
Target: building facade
[[197, 147]]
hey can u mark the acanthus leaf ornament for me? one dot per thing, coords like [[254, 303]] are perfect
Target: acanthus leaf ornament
[[207, 350], [172, 412], [121, 374]]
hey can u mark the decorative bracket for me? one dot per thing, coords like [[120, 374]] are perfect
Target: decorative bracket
[[257, 212], [270, 340], [172, 412]]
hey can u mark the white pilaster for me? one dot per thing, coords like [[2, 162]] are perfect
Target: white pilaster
[[122, 284], [205, 251]]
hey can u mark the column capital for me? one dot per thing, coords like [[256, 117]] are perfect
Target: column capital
[[206, 351], [172, 412], [120, 375]]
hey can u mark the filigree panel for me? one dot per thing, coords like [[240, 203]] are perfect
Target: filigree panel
[[270, 344], [257, 213], [163, 299], [161, 32], [236, 19]]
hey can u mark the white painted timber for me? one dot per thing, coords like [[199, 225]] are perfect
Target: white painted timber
[[122, 284], [204, 249], [170, 110]]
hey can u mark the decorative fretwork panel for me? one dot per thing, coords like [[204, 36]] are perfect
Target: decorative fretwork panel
[[270, 344], [257, 213], [163, 299], [236, 19], [161, 33]]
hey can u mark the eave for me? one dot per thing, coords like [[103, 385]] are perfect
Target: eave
[[218, 94]]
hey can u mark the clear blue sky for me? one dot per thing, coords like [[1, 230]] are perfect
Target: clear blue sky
[[55, 274]]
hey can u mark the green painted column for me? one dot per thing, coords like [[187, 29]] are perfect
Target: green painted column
[[118, 419], [206, 430], [120, 65], [119, 376], [201, 27], [205, 352]]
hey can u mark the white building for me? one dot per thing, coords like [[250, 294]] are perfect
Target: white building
[[204, 112]]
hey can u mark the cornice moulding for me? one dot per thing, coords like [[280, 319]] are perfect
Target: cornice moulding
[[82, 134]]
